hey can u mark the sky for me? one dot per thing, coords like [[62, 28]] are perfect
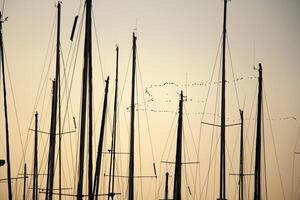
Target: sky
[[177, 43]]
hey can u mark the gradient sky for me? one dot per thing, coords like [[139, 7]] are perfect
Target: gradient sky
[[177, 42]]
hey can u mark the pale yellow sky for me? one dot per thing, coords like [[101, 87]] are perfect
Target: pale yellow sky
[[177, 42]]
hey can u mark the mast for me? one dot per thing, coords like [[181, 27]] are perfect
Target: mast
[[24, 186], [5, 112], [59, 99], [111, 183], [177, 175], [86, 75], [35, 168], [51, 157], [257, 179], [55, 102], [222, 147], [131, 156], [100, 144], [241, 174], [167, 186]]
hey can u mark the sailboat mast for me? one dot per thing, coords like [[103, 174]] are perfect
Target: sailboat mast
[[111, 184], [177, 175], [241, 174], [167, 186], [56, 87], [86, 71], [100, 144], [24, 182], [5, 113], [90, 133], [50, 174], [58, 91], [131, 151], [222, 149], [35, 160], [257, 179]]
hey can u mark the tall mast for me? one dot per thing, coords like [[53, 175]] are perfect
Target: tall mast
[[55, 102], [5, 112], [257, 179], [86, 71], [111, 183], [132, 110], [222, 149], [51, 156], [24, 180], [35, 160], [167, 186], [177, 175], [90, 133], [241, 173], [59, 99], [100, 144]]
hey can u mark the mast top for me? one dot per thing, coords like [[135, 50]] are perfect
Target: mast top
[[134, 35], [58, 4], [2, 21], [259, 67]]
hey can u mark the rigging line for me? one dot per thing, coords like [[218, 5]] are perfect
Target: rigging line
[[170, 131], [67, 115], [164, 150], [144, 102], [186, 149], [66, 93], [48, 53], [139, 139], [171, 143], [231, 161], [200, 128], [14, 103], [247, 127], [190, 128], [213, 133], [97, 42], [187, 157], [235, 85], [273, 140], [40, 83], [213, 130], [212, 158], [293, 168], [128, 64], [66, 90], [74, 57], [231, 164], [184, 153], [264, 155]]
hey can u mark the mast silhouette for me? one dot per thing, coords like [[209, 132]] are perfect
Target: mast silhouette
[[131, 153], [167, 186], [24, 182], [241, 174], [86, 82], [257, 175], [5, 112], [111, 182], [35, 161], [100, 144], [55, 102], [222, 195], [177, 174]]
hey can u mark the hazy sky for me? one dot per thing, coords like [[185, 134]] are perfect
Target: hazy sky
[[177, 42]]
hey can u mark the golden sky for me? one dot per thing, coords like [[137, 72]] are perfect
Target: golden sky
[[178, 43]]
